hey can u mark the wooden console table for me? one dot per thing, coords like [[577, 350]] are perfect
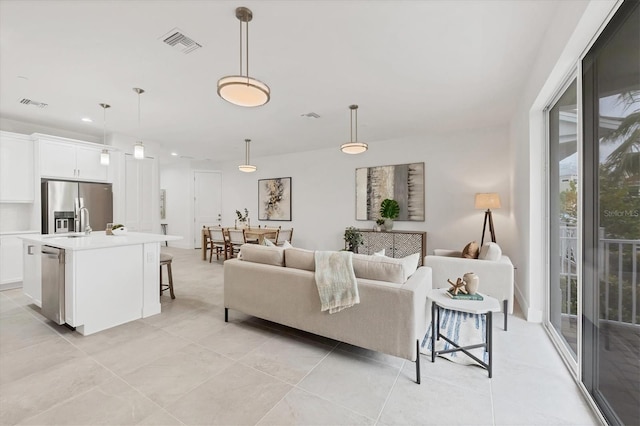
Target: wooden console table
[[397, 244]]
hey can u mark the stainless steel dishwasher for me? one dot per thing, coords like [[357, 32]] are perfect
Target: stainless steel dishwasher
[[53, 283]]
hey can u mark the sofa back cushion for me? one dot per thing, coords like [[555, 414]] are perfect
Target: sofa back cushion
[[300, 259], [262, 254], [382, 268]]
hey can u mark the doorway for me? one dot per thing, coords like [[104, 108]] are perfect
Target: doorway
[[207, 202]]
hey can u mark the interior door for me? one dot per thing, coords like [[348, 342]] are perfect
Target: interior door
[[207, 202]]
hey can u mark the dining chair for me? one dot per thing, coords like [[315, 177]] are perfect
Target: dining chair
[[273, 237], [236, 239], [206, 235], [252, 239], [284, 235], [217, 242]]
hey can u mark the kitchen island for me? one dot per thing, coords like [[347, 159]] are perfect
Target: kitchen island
[[108, 279]]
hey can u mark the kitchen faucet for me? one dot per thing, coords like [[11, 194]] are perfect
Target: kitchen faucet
[[87, 227]]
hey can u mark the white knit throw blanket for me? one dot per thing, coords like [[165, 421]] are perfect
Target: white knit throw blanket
[[336, 281]]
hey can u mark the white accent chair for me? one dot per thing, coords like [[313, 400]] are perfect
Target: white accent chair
[[496, 276]]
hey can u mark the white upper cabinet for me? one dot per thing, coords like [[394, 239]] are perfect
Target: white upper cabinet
[[16, 168], [69, 160]]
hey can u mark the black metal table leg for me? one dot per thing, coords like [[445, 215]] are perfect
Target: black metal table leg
[[433, 330], [505, 307], [489, 341], [418, 361]]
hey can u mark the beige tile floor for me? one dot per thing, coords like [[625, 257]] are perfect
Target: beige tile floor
[[186, 366]]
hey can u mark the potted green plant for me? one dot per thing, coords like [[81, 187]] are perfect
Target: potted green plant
[[379, 224], [353, 239], [389, 210]]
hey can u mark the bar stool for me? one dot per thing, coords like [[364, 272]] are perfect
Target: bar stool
[[165, 259]]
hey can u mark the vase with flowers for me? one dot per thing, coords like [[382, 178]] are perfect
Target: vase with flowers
[[243, 219]]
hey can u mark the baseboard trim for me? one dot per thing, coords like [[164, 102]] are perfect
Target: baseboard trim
[[10, 285], [180, 245], [532, 315]]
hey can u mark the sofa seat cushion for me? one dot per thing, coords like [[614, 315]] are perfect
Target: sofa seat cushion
[[382, 268], [300, 259], [262, 254]]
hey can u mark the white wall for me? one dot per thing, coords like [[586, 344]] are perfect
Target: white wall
[[574, 25], [177, 180], [323, 187]]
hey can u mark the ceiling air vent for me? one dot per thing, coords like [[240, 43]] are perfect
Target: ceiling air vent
[[180, 42], [25, 101]]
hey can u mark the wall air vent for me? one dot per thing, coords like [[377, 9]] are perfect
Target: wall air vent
[[25, 101], [180, 42]]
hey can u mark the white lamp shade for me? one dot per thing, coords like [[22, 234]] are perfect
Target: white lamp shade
[[354, 147], [247, 168], [243, 91], [488, 200], [138, 151], [104, 157]]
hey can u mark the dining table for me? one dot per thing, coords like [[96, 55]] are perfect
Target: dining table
[[259, 233]]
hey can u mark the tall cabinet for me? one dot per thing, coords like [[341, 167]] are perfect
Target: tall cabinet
[[396, 244], [141, 209]]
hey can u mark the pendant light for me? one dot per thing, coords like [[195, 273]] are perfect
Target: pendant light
[[247, 167], [138, 149], [354, 147], [241, 89], [104, 155]]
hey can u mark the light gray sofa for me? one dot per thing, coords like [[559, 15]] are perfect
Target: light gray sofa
[[279, 285]]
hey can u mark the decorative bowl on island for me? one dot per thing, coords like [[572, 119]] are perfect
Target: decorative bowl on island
[[119, 231]]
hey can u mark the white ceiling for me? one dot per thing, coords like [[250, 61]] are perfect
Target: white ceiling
[[412, 67]]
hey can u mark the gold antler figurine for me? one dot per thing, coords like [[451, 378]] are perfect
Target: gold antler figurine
[[459, 285]]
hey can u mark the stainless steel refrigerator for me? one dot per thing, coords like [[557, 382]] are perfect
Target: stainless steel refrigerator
[[63, 200]]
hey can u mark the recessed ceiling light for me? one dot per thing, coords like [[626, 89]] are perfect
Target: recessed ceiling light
[[87, 120], [175, 154]]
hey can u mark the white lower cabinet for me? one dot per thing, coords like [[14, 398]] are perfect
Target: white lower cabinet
[[10, 260], [32, 271]]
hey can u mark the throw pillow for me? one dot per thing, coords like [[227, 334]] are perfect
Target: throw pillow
[[490, 251], [286, 244], [380, 253], [268, 243], [471, 250]]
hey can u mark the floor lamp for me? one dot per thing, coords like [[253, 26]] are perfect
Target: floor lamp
[[488, 201]]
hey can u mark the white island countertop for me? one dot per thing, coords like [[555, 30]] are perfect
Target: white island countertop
[[97, 240]]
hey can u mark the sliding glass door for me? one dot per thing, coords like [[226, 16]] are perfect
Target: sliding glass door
[[611, 205], [563, 218]]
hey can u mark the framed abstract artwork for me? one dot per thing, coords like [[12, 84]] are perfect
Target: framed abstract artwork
[[274, 199], [402, 182]]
